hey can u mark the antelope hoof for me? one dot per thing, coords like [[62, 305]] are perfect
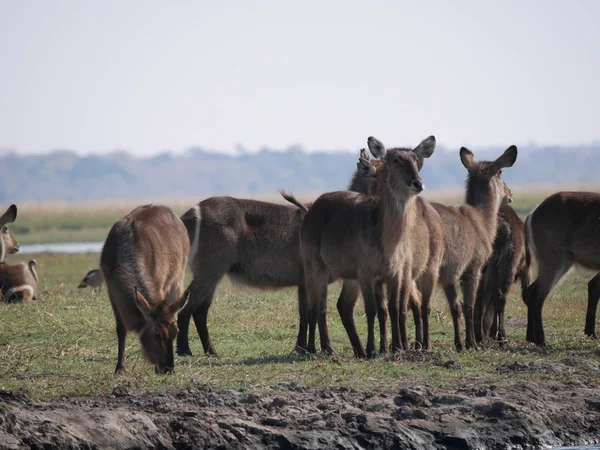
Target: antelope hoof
[[472, 346], [371, 354], [591, 334], [327, 349], [301, 350], [359, 353], [187, 352]]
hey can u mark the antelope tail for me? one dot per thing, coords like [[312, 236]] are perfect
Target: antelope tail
[[290, 198], [32, 265]]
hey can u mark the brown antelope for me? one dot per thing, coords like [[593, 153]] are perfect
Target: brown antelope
[[561, 232], [469, 233], [8, 244], [505, 266], [94, 279], [255, 243], [366, 238], [364, 181], [143, 261], [19, 282]]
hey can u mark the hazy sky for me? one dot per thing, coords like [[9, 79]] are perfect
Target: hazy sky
[[146, 76]]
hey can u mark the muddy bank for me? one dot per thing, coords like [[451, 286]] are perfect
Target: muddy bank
[[516, 415]]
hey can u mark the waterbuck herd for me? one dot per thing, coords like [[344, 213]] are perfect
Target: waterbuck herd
[[380, 233]]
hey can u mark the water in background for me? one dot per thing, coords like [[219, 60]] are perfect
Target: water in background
[[580, 447], [67, 247]]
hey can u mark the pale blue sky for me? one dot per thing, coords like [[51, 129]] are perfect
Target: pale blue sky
[[146, 76]]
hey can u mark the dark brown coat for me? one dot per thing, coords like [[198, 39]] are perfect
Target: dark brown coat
[[506, 265], [365, 238], [562, 231], [255, 243]]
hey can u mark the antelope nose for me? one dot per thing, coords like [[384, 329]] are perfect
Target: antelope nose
[[417, 185]]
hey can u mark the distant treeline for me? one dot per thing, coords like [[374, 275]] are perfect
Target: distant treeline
[[197, 173]]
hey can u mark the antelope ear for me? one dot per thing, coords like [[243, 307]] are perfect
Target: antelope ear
[[376, 147], [426, 148], [365, 168], [467, 157], [364, 154], [142, 304], [178, 305], [9, 216], [507, 159]]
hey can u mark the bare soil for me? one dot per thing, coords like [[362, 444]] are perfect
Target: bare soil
[[518, 414]]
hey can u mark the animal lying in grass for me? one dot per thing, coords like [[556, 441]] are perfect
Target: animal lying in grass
[[17, 282]]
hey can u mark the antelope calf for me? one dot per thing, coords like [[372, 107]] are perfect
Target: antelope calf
[[469, 234], [505, 266], [18, 282], [367, 238], [94, 279], [255, 243], [562, 231], [143, 262]]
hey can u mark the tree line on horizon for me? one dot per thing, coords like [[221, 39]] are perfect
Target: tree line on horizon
[[66, 176]]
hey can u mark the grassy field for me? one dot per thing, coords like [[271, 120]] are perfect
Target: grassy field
[[67, 344], [82, 222]]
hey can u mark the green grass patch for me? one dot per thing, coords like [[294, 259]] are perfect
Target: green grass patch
[[67, 344]]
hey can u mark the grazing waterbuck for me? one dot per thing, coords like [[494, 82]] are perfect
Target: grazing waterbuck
[[143, 261], [564, 230], [256, 243], [506, 265], [359, 237]]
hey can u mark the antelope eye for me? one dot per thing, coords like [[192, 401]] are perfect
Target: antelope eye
[[4, 229]]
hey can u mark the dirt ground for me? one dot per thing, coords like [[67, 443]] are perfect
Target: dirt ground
[[517, 414]]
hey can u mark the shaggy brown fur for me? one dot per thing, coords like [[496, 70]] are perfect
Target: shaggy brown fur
[[505, 266], [255, 243], [364, 238], [143, 261], [561, 232], [469, 234]]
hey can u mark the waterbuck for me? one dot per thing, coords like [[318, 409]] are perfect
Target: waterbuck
[[561, 232], [365, 238], [8, 244], [256, 243], [469, 234], [19, 282], [143, 261], [505, 266]]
